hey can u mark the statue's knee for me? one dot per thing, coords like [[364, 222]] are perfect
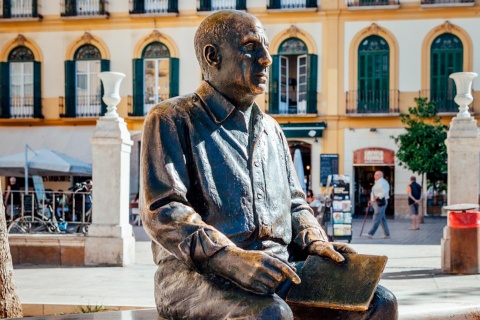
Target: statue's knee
[[387, 306], [277, 309]]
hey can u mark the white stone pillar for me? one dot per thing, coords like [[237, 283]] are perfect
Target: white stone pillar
[[110, 239], [463, 148]]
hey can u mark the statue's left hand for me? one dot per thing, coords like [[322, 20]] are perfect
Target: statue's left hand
[[330, 250]]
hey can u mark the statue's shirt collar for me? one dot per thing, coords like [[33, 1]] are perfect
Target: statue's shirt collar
[[216, 104]]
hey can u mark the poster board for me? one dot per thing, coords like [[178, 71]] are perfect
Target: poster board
[[39, 188], [328, 166]]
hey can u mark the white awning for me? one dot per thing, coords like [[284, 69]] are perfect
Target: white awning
[[73, 141]]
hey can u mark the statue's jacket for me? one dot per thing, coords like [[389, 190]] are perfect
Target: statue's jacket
[[208, 182]]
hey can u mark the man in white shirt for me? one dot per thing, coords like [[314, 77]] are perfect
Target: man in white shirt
[[380, 190]]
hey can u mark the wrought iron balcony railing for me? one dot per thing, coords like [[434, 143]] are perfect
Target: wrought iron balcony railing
[[214, 5], [447, 2], [372, 101], [19, 9], [88, 106], [292, 4], [372, 3], [84, 8], [153, 6], [21, 107], [444, 100]]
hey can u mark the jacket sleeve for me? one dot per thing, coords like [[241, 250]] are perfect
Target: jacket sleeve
[[306, 228], [168, 217]]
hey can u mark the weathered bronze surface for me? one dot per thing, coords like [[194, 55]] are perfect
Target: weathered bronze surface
[[220, 198], [349, 285]]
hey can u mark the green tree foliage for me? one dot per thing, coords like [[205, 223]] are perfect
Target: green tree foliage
[[422, 148]]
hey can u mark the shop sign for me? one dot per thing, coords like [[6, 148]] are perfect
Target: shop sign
[[373, 156]]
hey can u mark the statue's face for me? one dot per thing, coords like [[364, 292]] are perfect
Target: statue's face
[[244, 60]]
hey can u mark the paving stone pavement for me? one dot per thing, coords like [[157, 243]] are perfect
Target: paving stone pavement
[[413, 273]]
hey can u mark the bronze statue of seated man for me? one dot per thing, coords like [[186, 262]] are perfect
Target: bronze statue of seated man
[[220, 198]]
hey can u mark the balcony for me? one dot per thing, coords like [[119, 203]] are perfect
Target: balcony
[[21, 107], [372, 102], [84, 9], [89, 106], [15, 10], [446, 3], [153, 7], [214, 5], [287, 5], [373, 4], [444, 100]]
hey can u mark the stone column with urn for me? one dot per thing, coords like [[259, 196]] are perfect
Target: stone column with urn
[[460, 247], [110, 239]]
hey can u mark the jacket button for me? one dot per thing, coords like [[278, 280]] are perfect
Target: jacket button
[[256, 163], [259, 195]]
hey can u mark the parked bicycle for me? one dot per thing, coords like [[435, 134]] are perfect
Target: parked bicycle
[[38, 216], [35, 219]]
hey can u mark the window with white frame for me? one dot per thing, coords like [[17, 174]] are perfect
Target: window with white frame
[[293, 79]]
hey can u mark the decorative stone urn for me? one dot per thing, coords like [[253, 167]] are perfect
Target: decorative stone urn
[[463, 82], [111, 84]]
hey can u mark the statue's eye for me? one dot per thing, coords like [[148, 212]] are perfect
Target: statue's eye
[[250, 46]]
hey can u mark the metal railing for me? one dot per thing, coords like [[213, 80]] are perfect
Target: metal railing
[[72, 209], [371, 3], [372, 101], [444, 100], [18, 9], [88, 106], [153, 6], [21, 107], [214, 5], [446, 1], [83, 8]]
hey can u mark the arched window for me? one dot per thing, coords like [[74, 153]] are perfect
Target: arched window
[[155, 78], [83, 88], [293, 84], [373, 75], [21, 87], [446, 58]]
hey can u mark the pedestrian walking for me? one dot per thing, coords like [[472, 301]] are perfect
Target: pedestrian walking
[[379, 201], [414, 191]]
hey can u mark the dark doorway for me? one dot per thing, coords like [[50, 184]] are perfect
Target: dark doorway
[[363, 185], [306, 151]]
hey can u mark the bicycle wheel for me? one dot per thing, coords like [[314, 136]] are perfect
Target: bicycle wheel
[[23, 225]]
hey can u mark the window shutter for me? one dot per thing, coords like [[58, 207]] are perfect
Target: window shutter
[[241, 5], [274, 85], [104, 66], [34, 8], [138, 87], [205, 5], [4, 90], [275, 4], [138, 6], [312, 76], [311, 3], [6, 9], [70, 94], [70, 7], [37, 90], [174, 75], [172, 6]]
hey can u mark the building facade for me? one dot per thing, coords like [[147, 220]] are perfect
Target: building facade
[[342, 72]]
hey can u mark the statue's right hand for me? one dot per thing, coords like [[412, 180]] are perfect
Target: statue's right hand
[[254, 271]]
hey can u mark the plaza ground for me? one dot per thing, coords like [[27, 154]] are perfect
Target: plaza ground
[[413, 273]]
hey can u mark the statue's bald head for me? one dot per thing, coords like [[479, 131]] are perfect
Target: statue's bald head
[[216, 29]]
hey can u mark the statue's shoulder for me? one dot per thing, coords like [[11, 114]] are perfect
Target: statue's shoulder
[[174, 107]]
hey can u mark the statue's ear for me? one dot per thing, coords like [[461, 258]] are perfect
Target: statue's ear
[[211, 55]]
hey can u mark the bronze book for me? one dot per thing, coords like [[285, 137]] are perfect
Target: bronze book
[[349, 285]]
